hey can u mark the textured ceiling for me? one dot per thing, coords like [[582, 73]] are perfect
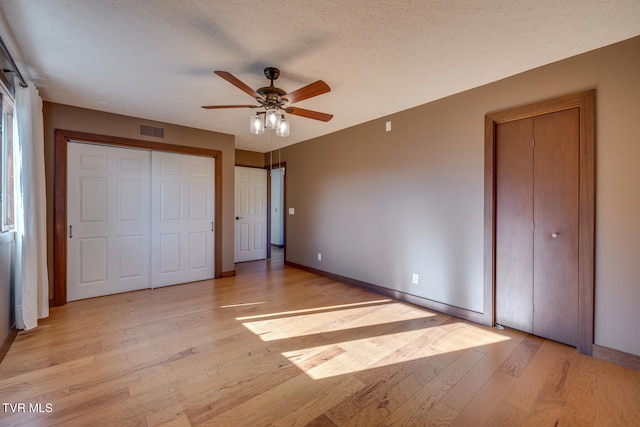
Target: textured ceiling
[[155, 58]]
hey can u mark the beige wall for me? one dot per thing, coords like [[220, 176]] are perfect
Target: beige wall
[[58, 116], [250, 159], [380, 205]]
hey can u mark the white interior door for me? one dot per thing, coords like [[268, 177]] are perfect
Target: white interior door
[[108, 220], [182, 205], [251, 214]]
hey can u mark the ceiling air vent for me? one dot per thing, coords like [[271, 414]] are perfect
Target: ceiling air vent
[[154, 131]]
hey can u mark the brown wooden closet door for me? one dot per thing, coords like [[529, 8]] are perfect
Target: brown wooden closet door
[[537, 214], [514, 224], [556, 210]]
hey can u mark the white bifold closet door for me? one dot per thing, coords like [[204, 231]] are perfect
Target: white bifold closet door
[[182, 212], [137, 219], [108, 199]]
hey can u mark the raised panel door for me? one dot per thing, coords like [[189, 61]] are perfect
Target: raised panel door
[[182, 218], [251, 214], [108, 220]]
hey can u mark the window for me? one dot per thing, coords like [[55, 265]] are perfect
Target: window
[[6, 162]]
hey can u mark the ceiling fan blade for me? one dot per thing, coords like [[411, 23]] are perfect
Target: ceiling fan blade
[[309, 91], [213, 107], [323, 117], [239, 84]]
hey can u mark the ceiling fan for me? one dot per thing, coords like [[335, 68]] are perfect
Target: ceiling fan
[[275, 99]]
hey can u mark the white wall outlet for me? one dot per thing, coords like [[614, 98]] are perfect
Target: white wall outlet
[[319, 256], [292, 211], [388, 126], [416, 278]]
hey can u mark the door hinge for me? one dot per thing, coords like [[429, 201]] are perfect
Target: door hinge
[[212, 226]]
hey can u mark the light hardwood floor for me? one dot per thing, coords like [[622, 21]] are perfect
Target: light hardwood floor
[[278, 346]]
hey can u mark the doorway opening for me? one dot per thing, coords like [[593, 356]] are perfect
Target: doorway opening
[[277, 210]]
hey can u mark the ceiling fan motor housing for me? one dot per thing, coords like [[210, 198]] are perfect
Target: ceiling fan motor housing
[[271, 93], [271, 73]]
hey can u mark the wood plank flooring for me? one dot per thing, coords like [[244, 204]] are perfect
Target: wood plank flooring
[[283, 347]]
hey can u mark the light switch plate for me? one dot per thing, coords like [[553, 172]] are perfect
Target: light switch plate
[[292, 211]]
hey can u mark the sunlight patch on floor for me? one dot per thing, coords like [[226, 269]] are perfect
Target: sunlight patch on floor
[[354, 356], [343, 339], [311, 310], [318, 321], [244, 304]]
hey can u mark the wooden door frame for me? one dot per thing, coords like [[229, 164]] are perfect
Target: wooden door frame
[[585, 102], [62, 138]]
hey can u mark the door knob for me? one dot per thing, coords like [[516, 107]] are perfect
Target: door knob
[[554, 235], [238, 217]]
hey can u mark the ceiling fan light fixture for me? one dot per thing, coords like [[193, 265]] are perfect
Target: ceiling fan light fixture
[[256, 125], [272, 119], [284, 128], [273, 101]]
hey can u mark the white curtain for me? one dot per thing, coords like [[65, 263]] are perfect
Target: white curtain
[[31, 275]]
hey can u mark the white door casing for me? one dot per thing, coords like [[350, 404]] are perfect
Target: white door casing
[[182, 219], [250, 214], [108, 220]]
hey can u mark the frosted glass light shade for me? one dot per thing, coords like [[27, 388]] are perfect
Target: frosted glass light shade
[[272, 121], [284, 128], [255, 125]]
